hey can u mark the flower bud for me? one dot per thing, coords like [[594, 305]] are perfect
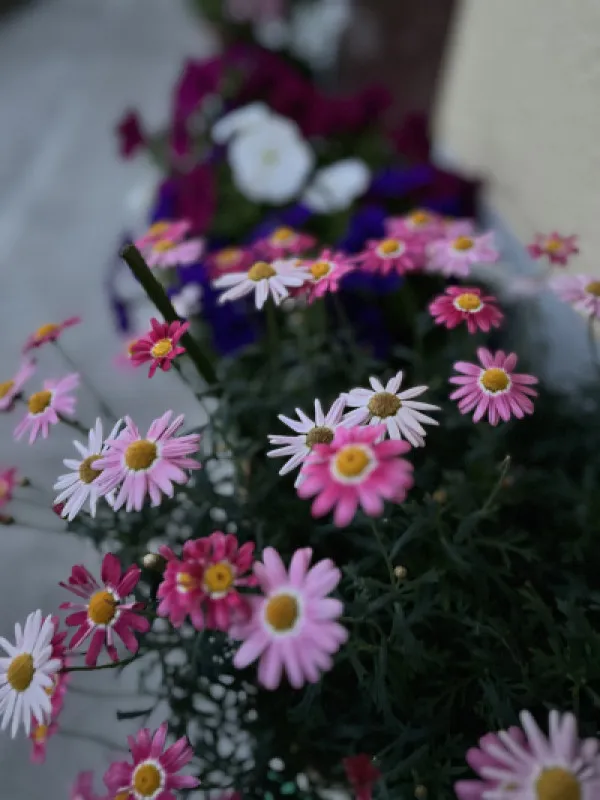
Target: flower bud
[[154, 562], [400, 572]]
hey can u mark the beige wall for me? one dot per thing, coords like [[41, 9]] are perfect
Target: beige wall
[[520, 104]]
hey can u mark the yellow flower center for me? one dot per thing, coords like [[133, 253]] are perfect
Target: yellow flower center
[[468, 302], [140, 455], [44, 330], [260, 271], [218, 578], [557, 784], [102, 607], [270, 157], [420, 218], [4, 489], [319, 435], [352, 461], [553, 245], [282, 235], [281, 612], [162, 245], [593, 288], [123, 795], [158, 229], [87, 473], [319, 269], [384, 404], [162, 348], [20, 672], [495, 380], [146, 780], [463, 243], [5, 388], [186, 582], [389, 246], [39, 401], [228, 256], [40, 733]]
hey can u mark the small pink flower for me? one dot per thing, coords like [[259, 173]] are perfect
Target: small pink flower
[[455, 256], [130, 135], [493, 389], [293, 627], [327, 270], [486, 756], [465, 304], [159, 345], [124, 360], [146, 465], [49, 332], [11, 389], [229, 259], [41, 732], [164, 245], [8, 481], [83, 788], [356, 469], [396, 254], [44, 408], [425, 224], [558, 249], [153, 773], [580, 291], [204, 583], [283, 242], [104, 612], [362, 775]]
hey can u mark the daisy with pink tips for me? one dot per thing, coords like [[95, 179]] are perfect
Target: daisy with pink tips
[[153, 773], [146, 465], [264, 279], [10, 390], [228, 259], [83, 788], [327, 272], [164, 245], [492, 388], [466, 304], [484, 757], [159, 346], [401, 255], [8, 481], [283, 242], [580, 291], [455, 256], [294, 626], [421, 223], [556, 248], [205, 582], [45, 408], [50, 332], [356, 469], [104, 611]]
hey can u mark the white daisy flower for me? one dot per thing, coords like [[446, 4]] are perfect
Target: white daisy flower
[[27, 673], [263, 278], [78, 486], [401, 415], [319, 430], [336, 187], [238, 120]]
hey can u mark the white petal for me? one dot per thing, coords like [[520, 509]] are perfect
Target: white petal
[[335, 187], [239, 120]]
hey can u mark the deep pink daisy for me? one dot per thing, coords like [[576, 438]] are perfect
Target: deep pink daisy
[[44, 408], [159, 346], [327, 271], [153, 773], [130, 134], [356, 469], [455, 256], [164, 245], [580, 291], [362, 775], [557, 249], [492, 388], [83, 788], [8, 481], [396, 254], [425, 224], [283, 242], [486, 756], [205, 582], [228, 259], [11, 389], [104, 611], [148, 464], [466, 304], [293, 627], [49, 332]]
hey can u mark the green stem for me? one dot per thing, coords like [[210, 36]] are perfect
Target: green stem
[[112, 665], [272, 332], [384, 553], [73, 423], [504, 467], [141, 271]]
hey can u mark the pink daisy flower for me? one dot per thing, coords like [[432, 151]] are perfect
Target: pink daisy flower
[[425, 224], [42, 731], [153, 773], [164, 245], [146, 465], [44, 408], [229, 259], [8, 481], [104, 612], [465, 304], [558, 249], [482, 757], [204, 584], [580, 291], [356, 469], [124, 359], [455, 256], [396, 254], [492, 388], [293, 627], [362, 775], [283, 242], [326, 271], [49, 332], [83, 788], [160, 345], [11, 389]]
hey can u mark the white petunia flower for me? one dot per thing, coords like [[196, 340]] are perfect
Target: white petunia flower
[[27, 673], [401, 415], [187, 301], [239, 120], [309, 432], [78, 486], [317, 29], [271, 161], [264, 279], [337, 186]]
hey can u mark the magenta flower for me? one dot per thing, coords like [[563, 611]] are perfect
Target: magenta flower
[[356, 469], [83, 788], [229, 259], [281, 243], [293, 627], [159, 346], [493, 389], [327, 271], [49, 332], [580, 291], [456, 256], [146, 465], [461, 304], [104, 611], [482, 757], [8, 481], [11, 389], [425, 224], [205, 582], [362, 775], [399, 255], [130, 135], [44, 408], [558, 249], [153, 773], [164, 245]]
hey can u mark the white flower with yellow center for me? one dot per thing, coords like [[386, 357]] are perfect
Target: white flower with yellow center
[[264, 279], [26, 674]]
